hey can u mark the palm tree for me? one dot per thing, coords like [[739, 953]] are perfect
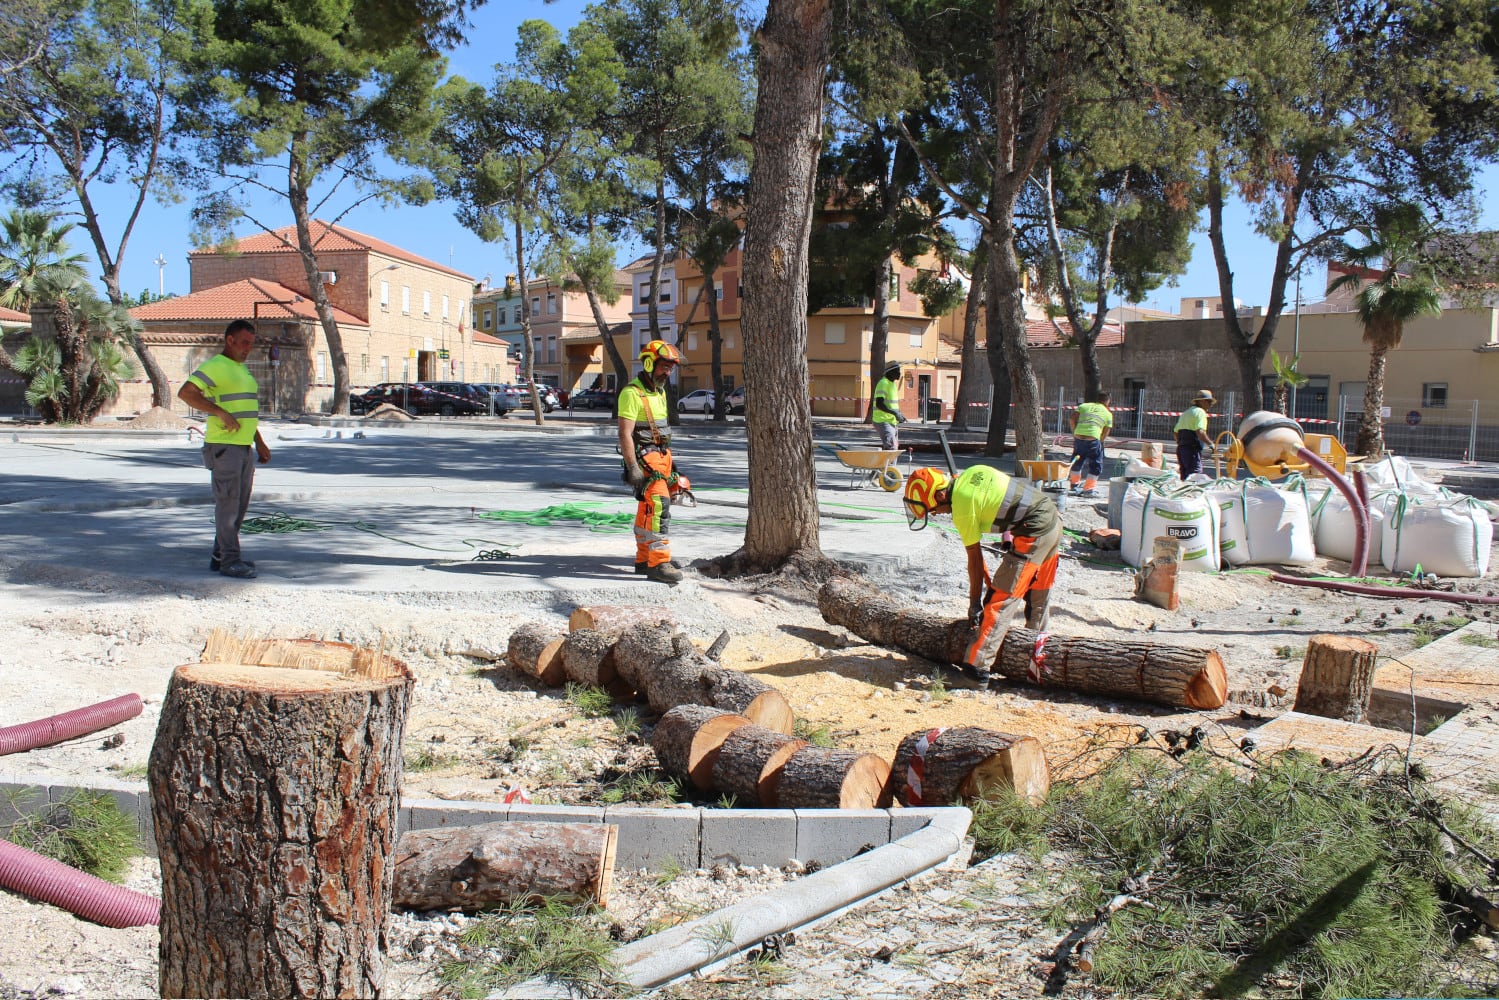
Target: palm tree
[[1287, 377], [35, 266], [1407, 286]]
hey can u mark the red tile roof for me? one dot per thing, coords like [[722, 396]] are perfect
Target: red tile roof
[[326, 237], [1046, 333], [237, 300], [12, 316], [484, 338]]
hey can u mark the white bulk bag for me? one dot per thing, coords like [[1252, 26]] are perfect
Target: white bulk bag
[[1395, 473], [1262, 525], [1449, 535], [1333, 528], [1185, 513]]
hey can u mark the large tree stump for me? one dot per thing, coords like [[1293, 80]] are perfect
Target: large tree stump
[[274, 793], [1336, 677], [885, 621], [1167, 675], [612, 619], [943, 767], [474, 867], [751, 762], [536, 651], [588, 658], [819, 778], [687, 741]]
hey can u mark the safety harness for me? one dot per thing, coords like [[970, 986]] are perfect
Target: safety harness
[[677, 485]]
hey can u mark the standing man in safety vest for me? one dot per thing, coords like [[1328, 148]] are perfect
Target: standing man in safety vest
[[645, 444], [223, 388], [1090, 425], [1192, 434], [887, 415], [983, 499]]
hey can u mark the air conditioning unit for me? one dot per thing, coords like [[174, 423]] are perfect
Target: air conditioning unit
[[328, 277]]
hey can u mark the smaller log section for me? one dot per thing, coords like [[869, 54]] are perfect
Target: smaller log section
[[751, 762], [688, 739], [966, 764], [661, 663], [1167, 675], [1336, 677], [885, 621], [588, 658], [475, 867], [536, 651], [612, 619], [823, 778]]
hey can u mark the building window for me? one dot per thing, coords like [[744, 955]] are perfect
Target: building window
[[832, 333], [536, 305], [385, 368], [444, 307], [894, 284], [551, 304], [364, 363], [500, 316], [551, 350], [426, 302], [916, 338], [692, 341], [729, 342], [1434, 395], [406, 300], [385, 295], [487, 316], [322, 365]]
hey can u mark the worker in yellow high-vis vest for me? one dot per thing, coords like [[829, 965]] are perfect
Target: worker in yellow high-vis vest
[[1090, 425], [223, 388], [1192, 434]]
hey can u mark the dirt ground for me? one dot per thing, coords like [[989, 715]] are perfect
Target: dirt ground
[[118, 635]]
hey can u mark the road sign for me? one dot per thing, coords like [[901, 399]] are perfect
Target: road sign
[[1413, 417], [442, 355]]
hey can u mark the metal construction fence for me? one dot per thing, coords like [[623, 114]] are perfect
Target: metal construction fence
[[1462, 430]]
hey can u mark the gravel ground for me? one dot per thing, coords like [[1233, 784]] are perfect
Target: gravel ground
[[970, 932]]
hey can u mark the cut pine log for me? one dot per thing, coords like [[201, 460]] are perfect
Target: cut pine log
[[687, 741], [612, 619], [588, 658], [885, 621], [475, 867], [274, 795], [750, 764], [822, 778], [1167, 675], [749, 696], [660, 661], [1336, 677], [536, 651], [642, 645], [943, 767]]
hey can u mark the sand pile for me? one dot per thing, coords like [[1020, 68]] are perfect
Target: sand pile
[[158, 418], [389, 414]]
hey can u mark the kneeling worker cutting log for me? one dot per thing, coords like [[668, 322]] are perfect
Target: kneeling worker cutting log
[[982, 499]]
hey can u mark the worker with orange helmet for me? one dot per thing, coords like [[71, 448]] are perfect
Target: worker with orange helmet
[[645, 444], [982, 499]]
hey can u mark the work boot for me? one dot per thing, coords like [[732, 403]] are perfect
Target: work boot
[[239, 569], [641, 568], [664, 573], [215, 564], [980, 674]]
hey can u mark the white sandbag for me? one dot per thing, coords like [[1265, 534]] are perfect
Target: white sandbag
[[1333, 528], [1261, 525], [1185, 513], [1137, 469], [1449, 535], [1395, 473]]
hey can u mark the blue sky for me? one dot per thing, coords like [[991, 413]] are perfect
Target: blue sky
[[432, 231]]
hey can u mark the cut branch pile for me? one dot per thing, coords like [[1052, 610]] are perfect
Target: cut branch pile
[[1177, 676]]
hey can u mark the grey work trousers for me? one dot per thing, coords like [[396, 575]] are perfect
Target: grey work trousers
[[233, 468]]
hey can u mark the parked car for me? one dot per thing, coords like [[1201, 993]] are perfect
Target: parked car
[[593, 399], [451, 399], [512, 397], [409, 396], [549, 400], [696, 401], [736, 401]]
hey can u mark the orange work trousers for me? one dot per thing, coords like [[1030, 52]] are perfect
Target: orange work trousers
[[653, 515], [1027, 571]]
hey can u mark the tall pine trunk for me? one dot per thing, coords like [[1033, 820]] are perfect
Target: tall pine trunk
[[715, 368], [783, 515], [299, 181], [968, 378]]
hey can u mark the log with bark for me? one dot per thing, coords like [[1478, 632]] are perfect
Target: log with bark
[[1167, 675], [943, 767], [536, 651], [274, 794], [642, 645], [612, 619], [1337, 676], [822, 778], [475, 867], [588, 658], [751, 762], [688, 739], [661, 662]]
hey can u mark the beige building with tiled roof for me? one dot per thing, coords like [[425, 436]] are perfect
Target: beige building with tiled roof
[[402, 318]]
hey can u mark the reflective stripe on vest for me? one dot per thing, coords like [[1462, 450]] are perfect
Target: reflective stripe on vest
[[1018, 501]]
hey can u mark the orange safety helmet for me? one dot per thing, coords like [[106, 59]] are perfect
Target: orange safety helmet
[[658, 350], [921, 495]]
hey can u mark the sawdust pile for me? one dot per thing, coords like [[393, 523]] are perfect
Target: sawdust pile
[[158, 418]]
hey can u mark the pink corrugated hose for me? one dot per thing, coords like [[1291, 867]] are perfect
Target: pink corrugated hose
[[68, 725], [78, 892]]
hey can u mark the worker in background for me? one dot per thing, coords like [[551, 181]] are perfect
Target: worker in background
[[983, 499], [1192, 434], [645, 445], [223, 388], [1090, 425], [887, 415]]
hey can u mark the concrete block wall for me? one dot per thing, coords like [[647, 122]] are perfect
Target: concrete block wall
[[651, 838]]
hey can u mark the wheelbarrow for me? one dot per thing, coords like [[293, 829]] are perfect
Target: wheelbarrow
[[868, 466]]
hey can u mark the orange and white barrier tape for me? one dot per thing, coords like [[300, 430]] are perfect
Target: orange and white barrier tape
[[916, 767]]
